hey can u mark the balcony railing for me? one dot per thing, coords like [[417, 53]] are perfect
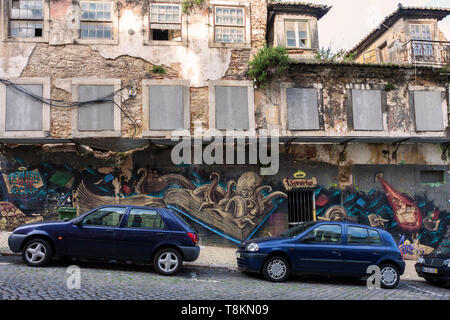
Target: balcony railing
[[427, 52]]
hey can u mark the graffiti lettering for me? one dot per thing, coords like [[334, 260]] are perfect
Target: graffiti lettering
[[23, 183]]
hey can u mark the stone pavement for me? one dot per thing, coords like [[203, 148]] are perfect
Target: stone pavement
[[123, 282]]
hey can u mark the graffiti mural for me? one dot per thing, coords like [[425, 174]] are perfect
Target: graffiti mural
[[25, 186], [235, 209], [417, 224], [224, 203]]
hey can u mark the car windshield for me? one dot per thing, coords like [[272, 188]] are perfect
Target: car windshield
[[437, 250], [295, 231]]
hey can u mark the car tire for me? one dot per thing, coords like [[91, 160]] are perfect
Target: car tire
[[435, 282], [37, 253], [390, 276], [276, 269], [167, 261]]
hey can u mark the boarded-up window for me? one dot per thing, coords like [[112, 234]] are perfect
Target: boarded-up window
[[428, 111], [23, 113], [302, 109], [166, 107], [95, 116], [367, 112], [232, 108]]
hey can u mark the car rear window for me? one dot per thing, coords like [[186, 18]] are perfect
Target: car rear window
[[143, 218], [358, 235], [374, 237]]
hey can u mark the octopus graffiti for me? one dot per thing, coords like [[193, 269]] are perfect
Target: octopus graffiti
[[235, 209]]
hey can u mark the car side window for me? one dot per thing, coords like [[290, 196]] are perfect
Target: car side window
[[108, 217], [357, 235], [146, 219], [374, 237], [327, 233]]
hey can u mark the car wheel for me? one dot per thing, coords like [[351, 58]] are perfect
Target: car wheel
[[37, 253], [167, 261], [435, 282], [390, 276], [276, 269]]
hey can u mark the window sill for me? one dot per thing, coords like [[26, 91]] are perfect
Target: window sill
[[96, 134], [27, 40], [163, 133], [165, 43], [25, 134], [230, 45], [97, 41]]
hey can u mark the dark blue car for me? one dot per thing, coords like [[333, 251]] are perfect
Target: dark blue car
[[332, 248], [110, 232]]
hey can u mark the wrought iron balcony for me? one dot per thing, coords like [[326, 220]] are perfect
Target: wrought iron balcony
[[427, 52]]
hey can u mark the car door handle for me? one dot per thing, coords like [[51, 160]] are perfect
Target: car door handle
[[109, 230], [376, 253], [160, 233], [335, 251]]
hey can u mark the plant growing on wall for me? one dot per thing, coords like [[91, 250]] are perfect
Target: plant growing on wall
[[268, 63], [188, 5], [328, 55], [158, 69], [389, 87]]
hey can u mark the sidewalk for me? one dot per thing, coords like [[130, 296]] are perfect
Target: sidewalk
[[218, 257]]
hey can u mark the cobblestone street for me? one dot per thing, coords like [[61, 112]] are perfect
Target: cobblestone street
[[123, 282]]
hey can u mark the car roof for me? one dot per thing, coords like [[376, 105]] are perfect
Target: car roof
[[348, 223], [128, 206]]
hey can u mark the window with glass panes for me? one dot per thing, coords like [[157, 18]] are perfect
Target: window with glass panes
[[96, 20], [297, 35], [165, 22], [229, 24], [421, 32], [26, 18]]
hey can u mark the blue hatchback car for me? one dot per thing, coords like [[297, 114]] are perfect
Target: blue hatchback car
[[326, 247], [110, 232]]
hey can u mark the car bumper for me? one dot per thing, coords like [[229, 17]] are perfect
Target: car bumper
[[190, 253], [443, 273], [15, 242], [250, 261], [401, 265]]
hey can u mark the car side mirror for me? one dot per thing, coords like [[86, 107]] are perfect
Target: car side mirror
[[78, 223], [308, 238]]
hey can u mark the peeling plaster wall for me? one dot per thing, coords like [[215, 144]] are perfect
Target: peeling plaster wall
[[197, 61], [14, 58]]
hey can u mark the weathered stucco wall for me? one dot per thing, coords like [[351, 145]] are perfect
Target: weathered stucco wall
[[195, 60]]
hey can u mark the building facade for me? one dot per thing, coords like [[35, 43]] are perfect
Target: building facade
[[96, 97]]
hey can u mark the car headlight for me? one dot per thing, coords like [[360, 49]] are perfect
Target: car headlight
[[447, 263], [252, 247], [421, 260]]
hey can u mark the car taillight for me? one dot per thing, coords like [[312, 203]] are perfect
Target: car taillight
[[193, 237]]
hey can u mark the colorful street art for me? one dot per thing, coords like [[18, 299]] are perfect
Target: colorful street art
[[225, 203], [416, 224], [235, 209]]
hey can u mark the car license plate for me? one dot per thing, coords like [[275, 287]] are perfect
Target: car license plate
[[238, 254], [430, 270]]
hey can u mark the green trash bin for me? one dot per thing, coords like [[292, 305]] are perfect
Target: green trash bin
[[67, 213]]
